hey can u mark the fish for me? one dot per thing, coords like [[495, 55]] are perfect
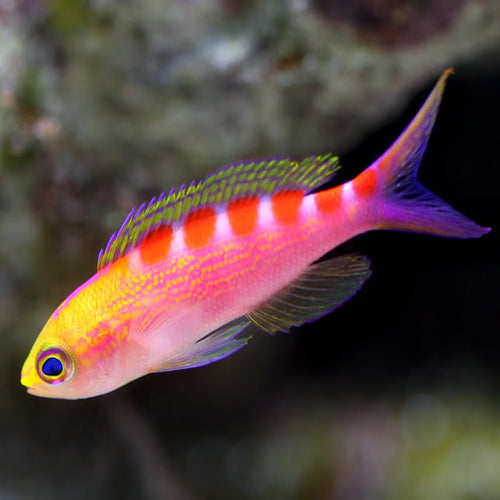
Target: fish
[[186, 275]]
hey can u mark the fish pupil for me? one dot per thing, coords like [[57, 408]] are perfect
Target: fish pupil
[[52, 367]]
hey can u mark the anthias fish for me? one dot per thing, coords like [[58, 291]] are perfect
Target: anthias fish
[[187, 273]]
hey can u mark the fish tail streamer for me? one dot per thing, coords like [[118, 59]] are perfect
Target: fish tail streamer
[[405, 204]]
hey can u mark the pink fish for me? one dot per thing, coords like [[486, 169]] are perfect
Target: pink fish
[[185, 275]]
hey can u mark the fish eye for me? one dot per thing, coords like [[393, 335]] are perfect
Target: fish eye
[[54, 365]]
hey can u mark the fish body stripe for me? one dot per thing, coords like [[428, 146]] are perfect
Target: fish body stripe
[[329, 201], [348, 194], [286, 206], [199, 227], [242, 218], [265, 215], [242, 215], [234, 182], [365, 184], [308, 208], [156, 246], [223, 228], [178, 245]]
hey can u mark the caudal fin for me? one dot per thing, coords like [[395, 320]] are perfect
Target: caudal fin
[[406, 205]]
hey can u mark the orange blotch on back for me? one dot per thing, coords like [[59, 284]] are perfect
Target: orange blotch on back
[[328, 201], [286, 206], [199, 227], [242, 215], [365, 184], [156, 245]]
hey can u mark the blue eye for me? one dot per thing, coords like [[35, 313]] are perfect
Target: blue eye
[[52, 367], [55, 365]]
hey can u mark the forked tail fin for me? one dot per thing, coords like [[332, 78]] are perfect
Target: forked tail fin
[[407, 205]]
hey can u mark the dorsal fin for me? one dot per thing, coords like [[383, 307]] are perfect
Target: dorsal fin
[[238, 180]]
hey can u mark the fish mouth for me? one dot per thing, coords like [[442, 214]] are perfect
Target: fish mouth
[[29, 387], [33, 385], [26, 380], [34, 389], [30, 380]]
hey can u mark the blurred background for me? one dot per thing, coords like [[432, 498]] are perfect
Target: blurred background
[[104, 103]]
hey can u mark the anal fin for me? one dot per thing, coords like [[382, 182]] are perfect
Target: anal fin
[[323, 287]]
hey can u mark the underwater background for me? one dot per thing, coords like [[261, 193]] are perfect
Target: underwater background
[[105, 103]]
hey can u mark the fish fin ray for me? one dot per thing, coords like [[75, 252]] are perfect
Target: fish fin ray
[[323, 287], [215, 346], [149, 327], [407, 205], [232, 182]]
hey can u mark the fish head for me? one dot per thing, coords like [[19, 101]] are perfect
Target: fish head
[[83, 349], [51, 369]]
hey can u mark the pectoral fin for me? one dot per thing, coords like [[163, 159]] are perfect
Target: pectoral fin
[[321, 289]]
